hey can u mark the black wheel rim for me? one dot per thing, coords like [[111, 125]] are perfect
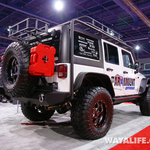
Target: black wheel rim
[[99, 114], [12, 70]]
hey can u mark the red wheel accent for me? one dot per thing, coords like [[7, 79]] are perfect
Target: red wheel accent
[[92, 112], [99, 114]]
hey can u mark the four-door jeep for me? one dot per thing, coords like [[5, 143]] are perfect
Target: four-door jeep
[[81, 65]]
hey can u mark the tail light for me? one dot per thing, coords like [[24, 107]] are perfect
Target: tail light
[[62, 71]]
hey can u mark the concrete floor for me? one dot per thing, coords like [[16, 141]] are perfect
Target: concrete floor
[[13, 135]]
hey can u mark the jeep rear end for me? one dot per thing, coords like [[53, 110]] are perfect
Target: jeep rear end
[[64, 68]]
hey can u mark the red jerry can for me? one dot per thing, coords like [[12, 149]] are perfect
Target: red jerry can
[[42, 60]]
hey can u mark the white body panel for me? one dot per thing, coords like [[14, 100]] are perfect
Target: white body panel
[[117, 76], [63, 83], [83, 68], [122, 89]]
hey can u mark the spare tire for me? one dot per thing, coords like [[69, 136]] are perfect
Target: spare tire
[[16, 79]]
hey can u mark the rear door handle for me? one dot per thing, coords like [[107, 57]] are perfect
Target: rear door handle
[[125, 72], [109, 69]]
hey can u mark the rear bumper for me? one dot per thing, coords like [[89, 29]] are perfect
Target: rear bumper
[[49, 98]]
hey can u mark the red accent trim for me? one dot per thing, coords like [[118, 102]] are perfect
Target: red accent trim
[[126, 98], [42, 60], [139, 141]]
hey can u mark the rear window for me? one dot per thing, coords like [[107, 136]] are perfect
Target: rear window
[[86, 46]]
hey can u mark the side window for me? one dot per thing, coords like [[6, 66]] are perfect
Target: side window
[[111, 54], [127, 60]]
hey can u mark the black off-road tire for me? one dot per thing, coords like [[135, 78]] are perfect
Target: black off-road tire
[[92, 113], [16, 79], [36, 113], [144, 103]]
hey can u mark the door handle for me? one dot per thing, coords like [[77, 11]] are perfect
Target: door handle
[[125, 72], [109, 69]]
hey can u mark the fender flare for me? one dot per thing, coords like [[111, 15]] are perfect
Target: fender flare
[[80, 77]]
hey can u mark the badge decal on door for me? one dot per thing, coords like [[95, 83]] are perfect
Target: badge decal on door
[[120, 81], [130, 88]]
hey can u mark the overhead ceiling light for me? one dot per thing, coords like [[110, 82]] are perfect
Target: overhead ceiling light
[[137, 47], [59, 5]]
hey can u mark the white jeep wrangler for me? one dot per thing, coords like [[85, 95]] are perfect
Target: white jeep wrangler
[[80, 65]]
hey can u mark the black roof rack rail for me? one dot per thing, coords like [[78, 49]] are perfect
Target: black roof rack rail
[[28, 28]]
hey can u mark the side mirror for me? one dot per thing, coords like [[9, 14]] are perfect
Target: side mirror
[[136, 66]]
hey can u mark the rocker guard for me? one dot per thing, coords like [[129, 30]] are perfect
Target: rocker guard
[[50, 98]]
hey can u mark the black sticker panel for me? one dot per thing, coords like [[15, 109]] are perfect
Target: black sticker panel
[[86, 46]]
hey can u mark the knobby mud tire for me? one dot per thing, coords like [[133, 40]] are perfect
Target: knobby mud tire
[[35, 113], [16, 79], [92, 113], [144, 103]]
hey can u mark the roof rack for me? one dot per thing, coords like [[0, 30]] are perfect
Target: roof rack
[[27, 28], [100, 26], [30, 28], [91, 25]]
